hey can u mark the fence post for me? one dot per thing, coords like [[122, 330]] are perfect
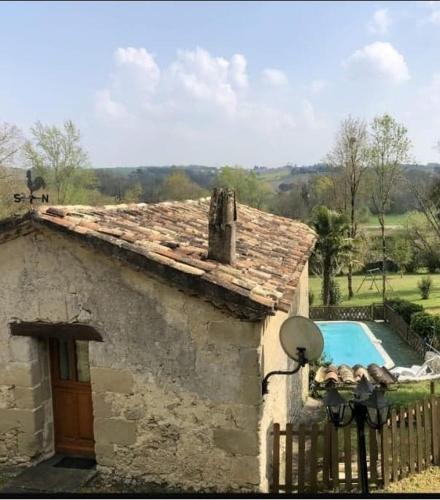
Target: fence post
[[276, 459], [435, 434], [427, 429], [301, 457], [384, 455], [394, 449], [419, 433], [289, 452], [411, 441], [347, 458], [403, 443], [335, 458], [314, 459], [326, 461]]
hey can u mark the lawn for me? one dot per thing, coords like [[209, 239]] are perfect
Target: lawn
[[427, 481], [405, 288], [390, 220]]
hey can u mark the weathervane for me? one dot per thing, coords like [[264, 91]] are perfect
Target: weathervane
[[33, 185]]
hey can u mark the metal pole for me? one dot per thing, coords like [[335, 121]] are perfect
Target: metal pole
[[360, 413]]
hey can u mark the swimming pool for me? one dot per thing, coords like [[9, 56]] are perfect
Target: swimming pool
[[352, 342]]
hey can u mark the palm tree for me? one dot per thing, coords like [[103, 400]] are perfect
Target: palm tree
[[332, 246]]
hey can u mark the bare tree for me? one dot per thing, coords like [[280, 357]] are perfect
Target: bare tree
[[389, 148], [11, 143], [350, 156]]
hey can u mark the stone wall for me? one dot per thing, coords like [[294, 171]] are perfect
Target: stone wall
[[175, 383]]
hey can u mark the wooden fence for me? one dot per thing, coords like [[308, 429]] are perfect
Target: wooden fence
[[323, 458], [400, 326], [370, 312]]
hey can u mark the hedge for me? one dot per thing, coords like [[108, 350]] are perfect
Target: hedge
[[405, 308], [425, 324]]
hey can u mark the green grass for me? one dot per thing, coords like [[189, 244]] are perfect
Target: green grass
[[404, 288], [427, 481], [390, 220], [407, 393]]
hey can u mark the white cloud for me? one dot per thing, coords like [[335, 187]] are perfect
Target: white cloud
[[107, 106], [380, 23], [379, 60], [208, 78], [238, 70], [275, 77], [206, 107], [140, 66]]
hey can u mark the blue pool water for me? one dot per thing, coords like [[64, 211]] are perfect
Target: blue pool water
[[347, 342]]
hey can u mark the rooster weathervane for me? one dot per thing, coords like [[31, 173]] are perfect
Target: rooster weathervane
[[33, 186]]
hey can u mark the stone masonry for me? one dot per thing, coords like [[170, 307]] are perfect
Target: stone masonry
[[175, 382]]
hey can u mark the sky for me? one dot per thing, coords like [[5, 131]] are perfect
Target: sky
[[220, 83]]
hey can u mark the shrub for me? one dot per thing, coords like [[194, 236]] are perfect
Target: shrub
[[405, 308], [311, 298], [425, 285], [425, 324]]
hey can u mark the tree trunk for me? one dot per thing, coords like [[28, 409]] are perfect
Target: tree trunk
[[384, 256], [326, 278], [352, 236], [350, 281]]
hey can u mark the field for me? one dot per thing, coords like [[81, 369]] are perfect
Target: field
[[405, 288], [390, 220]]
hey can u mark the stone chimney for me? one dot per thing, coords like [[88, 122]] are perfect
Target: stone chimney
[[222, 217]]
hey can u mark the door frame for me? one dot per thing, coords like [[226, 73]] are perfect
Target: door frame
[[45, 331]]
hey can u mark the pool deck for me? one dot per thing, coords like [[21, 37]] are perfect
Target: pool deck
[[401, 353]]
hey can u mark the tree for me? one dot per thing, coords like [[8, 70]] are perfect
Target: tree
[[424, 240], [427, 194], [389, 148], [249, 189], [178, 186], [133, 194], [56, 154], [331, 247], [400, 252], [350, 155], [11, 143]]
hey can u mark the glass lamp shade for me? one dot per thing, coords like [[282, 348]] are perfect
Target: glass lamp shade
[[378, 409], [335, 405]]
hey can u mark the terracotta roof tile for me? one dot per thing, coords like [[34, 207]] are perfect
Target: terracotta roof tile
[[271, 250]]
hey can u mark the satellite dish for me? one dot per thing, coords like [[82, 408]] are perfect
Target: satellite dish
[[297, 333]]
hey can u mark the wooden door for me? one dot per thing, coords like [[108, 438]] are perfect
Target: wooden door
[[72, 397]]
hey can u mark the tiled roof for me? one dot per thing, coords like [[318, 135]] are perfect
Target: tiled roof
[[172, 238], [344, 375]]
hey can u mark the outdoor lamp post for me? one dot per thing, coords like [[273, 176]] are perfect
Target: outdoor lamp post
[[367, 405]]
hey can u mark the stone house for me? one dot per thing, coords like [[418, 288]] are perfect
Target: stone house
[[140, 334]]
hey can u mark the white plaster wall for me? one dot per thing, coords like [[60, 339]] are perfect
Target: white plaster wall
[[286, 394]]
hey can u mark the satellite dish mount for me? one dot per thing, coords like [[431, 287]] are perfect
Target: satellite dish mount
[[302, 341]]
